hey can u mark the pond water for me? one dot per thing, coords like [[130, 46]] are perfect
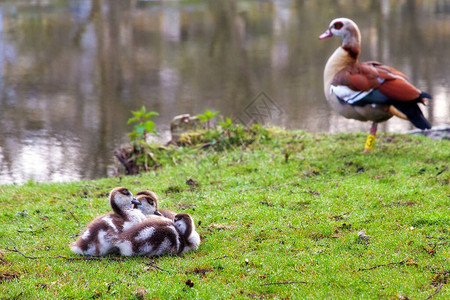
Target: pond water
[[72, 70]]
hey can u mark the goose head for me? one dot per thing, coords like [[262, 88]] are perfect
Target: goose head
[[348, 31]]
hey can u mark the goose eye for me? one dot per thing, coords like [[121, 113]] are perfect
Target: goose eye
[[338, 25], [125, 192]]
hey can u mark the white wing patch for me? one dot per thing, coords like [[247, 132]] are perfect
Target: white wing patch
[[125, 247], [90, 250], [135, 216], [86, 234], [127, 225], [145, 233], [164, 247], [146, 249], [109, 221], [76, 249], [348, 95], [104, 243]]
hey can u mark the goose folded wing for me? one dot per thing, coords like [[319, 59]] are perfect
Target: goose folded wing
[[372, 82]]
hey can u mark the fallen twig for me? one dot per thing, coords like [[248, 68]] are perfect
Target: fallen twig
[[71, 202], [385, 265], [441, 171], [435, 237], [284, 282], [67, 258], [32, 231], [154, 266], [73, 216], [17, 251], [224, 257], [436, 291]]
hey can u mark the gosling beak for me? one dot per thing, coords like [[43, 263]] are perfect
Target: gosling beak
[[158, 213], [136, 202]]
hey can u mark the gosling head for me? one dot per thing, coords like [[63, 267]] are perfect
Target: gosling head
[[184, 224], [120, 199], [148, 203]]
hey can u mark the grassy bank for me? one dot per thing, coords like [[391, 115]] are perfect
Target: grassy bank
[[278, 218]]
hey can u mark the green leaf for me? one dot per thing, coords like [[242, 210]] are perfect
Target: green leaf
[[133, 120], [202, 118], [133, 135], [208, 115], [150, 114], [139, 129], [149, 126], [137, 114]]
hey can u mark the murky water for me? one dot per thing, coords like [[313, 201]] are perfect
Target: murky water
[[71, 71]]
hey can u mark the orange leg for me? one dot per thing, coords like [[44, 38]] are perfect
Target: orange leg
[[371, 137]]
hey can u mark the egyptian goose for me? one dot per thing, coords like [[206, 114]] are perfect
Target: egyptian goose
[[159, 236], [95, 240], [150, 205], [367, 91]]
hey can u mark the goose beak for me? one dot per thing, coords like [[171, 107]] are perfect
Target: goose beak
[[158, 213], [326, 34], [136, 202]]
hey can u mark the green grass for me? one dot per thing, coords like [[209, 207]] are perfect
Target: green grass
[[291, 205]]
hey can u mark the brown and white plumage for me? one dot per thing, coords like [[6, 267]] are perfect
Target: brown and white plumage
[[96, 238], [158, 236], [367, 91]]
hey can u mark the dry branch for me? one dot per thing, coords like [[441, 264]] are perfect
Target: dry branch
[[436, 291], [67, 258], [284, 282], [154, 266], [221, 257], [385, 265], [17, 251], [73, 216]]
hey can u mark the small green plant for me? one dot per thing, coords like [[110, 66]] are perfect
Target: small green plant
[[207, 116], [225, 135], [140, 155], [144, 156], [143, 125], [234, 133]]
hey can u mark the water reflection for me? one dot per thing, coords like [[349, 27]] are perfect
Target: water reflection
[[71, 71]]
